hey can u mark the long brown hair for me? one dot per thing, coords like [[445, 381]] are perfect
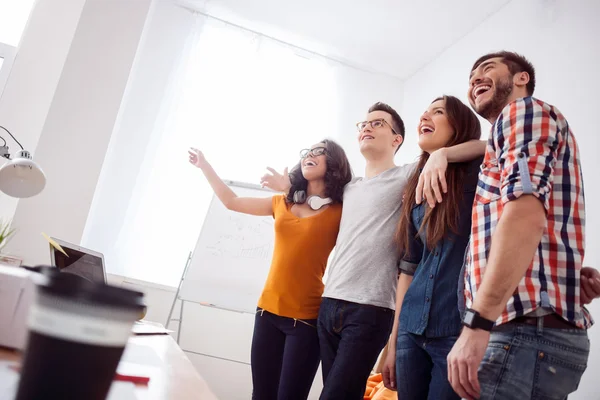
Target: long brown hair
[[444, 216]]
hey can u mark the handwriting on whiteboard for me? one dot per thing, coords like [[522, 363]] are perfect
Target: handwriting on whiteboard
[[235, 238]]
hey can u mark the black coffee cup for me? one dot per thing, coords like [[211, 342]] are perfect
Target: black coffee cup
[[77, 333]]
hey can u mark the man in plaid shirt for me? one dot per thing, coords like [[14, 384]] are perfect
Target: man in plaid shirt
[[525, 328]]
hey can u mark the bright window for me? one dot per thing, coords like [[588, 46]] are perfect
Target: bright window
[[13, 18], [248, 103]]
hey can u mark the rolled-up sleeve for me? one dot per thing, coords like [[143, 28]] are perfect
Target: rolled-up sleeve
[[528, 138], [412, 256]]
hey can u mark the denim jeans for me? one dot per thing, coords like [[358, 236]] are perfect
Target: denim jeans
[[533, 362], [422, 368], [284, 357], [351, 337]]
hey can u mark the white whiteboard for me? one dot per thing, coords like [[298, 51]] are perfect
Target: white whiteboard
[[232, 257]]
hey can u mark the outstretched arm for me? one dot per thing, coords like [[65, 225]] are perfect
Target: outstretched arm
[[246, 205]]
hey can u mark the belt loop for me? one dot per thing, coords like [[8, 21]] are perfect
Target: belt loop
[[262, 311], [540, 326], [295, 320]]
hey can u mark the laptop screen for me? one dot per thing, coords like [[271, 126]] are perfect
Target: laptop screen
[[88, 266]]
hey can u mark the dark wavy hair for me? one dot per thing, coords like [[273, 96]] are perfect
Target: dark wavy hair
[[443, 218], [338, 173]]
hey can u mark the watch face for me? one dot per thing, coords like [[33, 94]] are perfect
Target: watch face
[[469, 317]]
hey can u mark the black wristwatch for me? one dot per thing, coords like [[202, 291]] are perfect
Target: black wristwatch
[[473, 320]]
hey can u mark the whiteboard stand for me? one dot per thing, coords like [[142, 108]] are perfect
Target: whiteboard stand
[[169, 319]]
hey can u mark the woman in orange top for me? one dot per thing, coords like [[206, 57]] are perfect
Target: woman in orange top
[[285, 345]]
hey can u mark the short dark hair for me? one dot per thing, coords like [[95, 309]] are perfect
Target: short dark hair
[[515, 63], [338, 173], [397, 122]]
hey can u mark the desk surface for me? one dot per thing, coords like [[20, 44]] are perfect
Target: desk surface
[[173, 377]]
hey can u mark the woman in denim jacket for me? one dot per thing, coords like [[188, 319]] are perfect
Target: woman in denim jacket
[[433, 243]]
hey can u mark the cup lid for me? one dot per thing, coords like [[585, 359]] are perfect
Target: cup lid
[[51, 281]]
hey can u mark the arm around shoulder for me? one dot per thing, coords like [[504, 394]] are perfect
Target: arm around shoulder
[[434, 172], [465, 151]]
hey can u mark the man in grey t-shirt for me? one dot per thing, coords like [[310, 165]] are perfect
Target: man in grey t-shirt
[[365, 264], [357, 311]]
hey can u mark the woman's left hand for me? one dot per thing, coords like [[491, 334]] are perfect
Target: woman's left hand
[[389, 370], [432, 177]]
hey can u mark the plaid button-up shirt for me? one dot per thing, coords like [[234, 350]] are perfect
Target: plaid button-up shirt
[[531, 150]]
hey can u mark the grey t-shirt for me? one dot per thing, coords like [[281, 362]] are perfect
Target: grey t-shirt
[[364, 268]]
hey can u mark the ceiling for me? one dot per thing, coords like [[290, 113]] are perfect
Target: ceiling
[[393, 37]]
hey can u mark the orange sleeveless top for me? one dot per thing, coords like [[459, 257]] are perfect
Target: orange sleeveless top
[[302, 246]]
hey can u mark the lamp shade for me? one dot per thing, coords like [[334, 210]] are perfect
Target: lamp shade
[[21, 177]]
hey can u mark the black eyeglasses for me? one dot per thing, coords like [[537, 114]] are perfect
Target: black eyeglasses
[[376, 123], [317, 151]]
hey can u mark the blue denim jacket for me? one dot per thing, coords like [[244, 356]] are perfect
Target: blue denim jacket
[[430, 306]]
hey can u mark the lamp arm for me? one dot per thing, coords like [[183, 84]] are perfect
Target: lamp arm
[[11, 135]]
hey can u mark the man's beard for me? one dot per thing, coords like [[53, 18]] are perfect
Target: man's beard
[[493, 108]]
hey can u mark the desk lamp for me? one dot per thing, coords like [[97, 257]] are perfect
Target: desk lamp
[[20, 177]]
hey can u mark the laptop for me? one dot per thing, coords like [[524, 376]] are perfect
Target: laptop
[[80, 261]]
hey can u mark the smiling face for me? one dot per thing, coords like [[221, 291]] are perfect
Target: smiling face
[[314, 163], [380, 139], [434, 128], [492, 86]]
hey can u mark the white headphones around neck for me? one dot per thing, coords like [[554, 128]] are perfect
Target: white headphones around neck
[[314, 202]]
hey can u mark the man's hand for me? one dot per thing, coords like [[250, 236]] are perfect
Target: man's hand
[[276, 181], [389, 370], [590, 285], [464, 361], [432, 176]]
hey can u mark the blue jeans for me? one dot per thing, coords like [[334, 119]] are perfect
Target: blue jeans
[[284, 357], [533, 362], [422, 368], [351, 337]]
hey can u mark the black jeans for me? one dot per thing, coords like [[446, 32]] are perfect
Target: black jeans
[[351, 337], [284, 357]]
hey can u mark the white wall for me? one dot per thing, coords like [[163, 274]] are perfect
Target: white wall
[[79, 122], [34, 76], [560, 39]]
